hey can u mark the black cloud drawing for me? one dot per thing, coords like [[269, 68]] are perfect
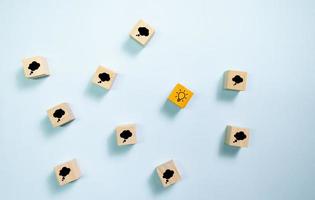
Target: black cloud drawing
[[143, 31], [237, 79], [33, 66], [125, 135], [103, 77], [239, 136], [64, 172], [168, 174], [58, 114]]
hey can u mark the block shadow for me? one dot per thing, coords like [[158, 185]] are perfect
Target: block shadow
[[156, 185], [132, 47], [223, 94], [25, 83], [54, 187], [94, 91], [113, 148], [169, 109], [48, 129], [226, 150]]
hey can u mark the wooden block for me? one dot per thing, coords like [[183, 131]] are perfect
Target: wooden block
[[60, 114], [235, 80], [168, 173], [236, 136], [104, 77], [67, 172], [180, 95], [142, 32], [126, 134], [35, 67]]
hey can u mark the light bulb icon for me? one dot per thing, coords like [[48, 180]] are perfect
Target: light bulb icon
[[181, 95]]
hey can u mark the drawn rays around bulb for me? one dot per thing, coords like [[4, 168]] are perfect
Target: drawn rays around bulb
[[181, 95]]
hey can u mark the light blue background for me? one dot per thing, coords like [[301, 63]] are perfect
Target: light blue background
[[195, 42]]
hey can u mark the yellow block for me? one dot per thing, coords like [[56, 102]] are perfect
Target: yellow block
[[180, 95]]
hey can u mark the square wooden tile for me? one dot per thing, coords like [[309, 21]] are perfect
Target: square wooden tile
[[235, 80], [142, 32], [60, 115], [35, 67], [168, 173], [180, 95], [104, 77], [67, 172], [236, 136], [126, 134]]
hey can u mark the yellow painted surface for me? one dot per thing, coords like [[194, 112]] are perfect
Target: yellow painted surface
[[180, 95]]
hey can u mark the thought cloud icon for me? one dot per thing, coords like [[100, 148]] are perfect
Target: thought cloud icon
[[33, 66], [143, 31], [58, 114], [237, 79], [103, 77], [64, 172], [125, 135], [167, 175], [239, 136]]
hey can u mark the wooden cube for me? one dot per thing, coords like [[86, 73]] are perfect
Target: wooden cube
[[180, 95], [235, 80], [168, 173], [142, 32], [126, 134], [35, 67], [104, 77], [60, 115], [67, 172], [236, 136]]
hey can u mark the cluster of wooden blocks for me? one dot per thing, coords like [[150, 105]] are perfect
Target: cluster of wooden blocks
[[70, 171], [59, 115]]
